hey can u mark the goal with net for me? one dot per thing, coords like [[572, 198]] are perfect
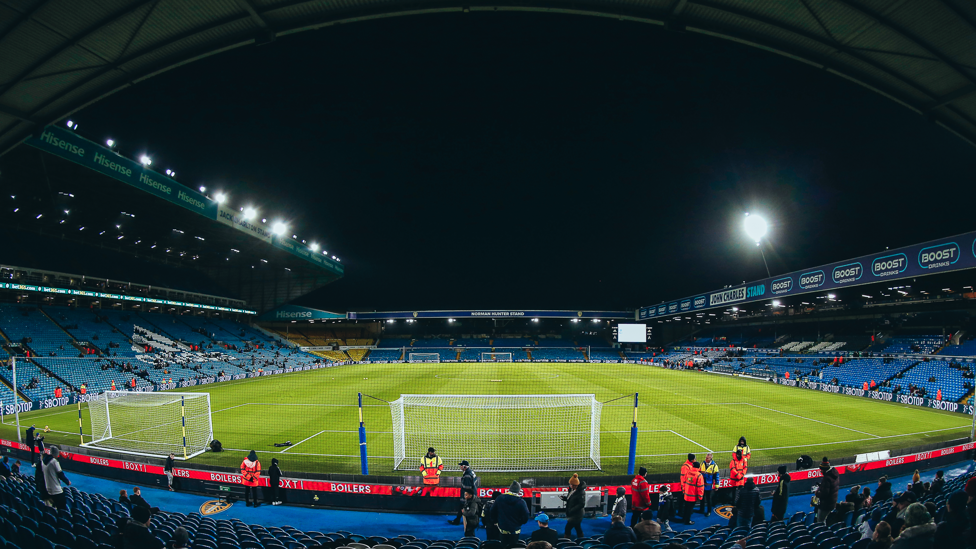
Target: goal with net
[[496, 357], [499, 432], [424, 357], [151, 424]]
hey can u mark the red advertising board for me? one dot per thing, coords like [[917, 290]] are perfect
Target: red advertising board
[[454, 492]]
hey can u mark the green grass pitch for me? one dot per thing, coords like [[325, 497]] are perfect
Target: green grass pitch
[[680, 412]]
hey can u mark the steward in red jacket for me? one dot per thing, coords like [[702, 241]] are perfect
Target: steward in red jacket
[[640, 496]]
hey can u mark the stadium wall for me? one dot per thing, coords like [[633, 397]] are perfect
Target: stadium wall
[[359, 494]]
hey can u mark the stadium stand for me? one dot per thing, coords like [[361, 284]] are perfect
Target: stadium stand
[[934, 376], [384, 355], [93, 520], [917, 345], [853, 373], [965, 348], [557, 353]]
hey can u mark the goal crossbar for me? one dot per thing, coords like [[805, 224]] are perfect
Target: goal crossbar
[[499, 432]]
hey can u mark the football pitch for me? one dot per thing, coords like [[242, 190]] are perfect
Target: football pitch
[[680, 412]]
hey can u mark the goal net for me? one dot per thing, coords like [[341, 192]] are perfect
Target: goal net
[[499, 432], [496, 357], [424, 357], [151, 424]]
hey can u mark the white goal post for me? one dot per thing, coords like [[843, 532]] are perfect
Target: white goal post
[[496, 357], [424, 357], [499, 432], [151, 424]]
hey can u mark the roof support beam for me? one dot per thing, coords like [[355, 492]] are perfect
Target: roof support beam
[[24, 17], [954, 96], [255, 16], [17, 114]]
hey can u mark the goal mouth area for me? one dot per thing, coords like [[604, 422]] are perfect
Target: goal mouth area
[[555, 432], [151, 424]]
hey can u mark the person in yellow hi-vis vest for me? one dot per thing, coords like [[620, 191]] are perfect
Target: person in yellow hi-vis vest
[[431, 466]]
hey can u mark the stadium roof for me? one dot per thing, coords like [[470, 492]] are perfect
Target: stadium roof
[[61, 55]]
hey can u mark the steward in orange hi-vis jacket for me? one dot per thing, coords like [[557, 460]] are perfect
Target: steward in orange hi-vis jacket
[[251, 477], [693, 486], [737, 469], [431, 466]]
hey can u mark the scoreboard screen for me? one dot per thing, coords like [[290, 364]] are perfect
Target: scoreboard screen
[[631, 333]]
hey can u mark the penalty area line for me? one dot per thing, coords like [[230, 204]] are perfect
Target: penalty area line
[[301, 441], [692, 441], [814, 420]]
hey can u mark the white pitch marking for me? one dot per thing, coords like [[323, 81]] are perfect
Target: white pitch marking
[[814, 420], [301, 441]]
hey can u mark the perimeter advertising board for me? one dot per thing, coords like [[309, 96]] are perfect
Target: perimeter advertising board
[[936, 256]]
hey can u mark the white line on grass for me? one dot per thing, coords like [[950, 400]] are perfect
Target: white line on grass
[[692, 441], [301, 441], [814, 420]]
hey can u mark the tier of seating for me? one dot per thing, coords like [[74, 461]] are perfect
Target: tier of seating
[[557, 353], [854, 372], [605, 354], [796, 346], [934, 376], [965, 348], [916, 345], [385, 354]]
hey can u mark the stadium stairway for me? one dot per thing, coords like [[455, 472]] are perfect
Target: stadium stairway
[[394, 524]]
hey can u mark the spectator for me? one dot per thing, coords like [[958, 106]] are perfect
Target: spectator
[[647, 529], [53, 475], [544, 533], [470, 512], [916, 478], [491, 529], [124, 499], [781, 495], [919, 529], [827, 490], [839, 514], [620, 504], [539, 545], [469, 481], [16, 468], [136, 534], [274, 482], [619, 532], [30, 442], [881, 539], [883, 491], [640, 495], [854, 496], [665, 507], [869, 524], [896, 517], [938, 484], [138, 501], [510, 512], [181, 539], [5, 467], [575, 504], [746, 500], [866, 499], [168, 470], [955, 525]]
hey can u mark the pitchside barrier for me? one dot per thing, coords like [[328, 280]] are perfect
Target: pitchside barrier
[[415, 497]]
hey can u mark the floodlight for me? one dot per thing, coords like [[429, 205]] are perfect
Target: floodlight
[[249, 213], [220, 197], [110, 142], [313, 246], [755, 227], [831, 296], [202, 188], [145, 160], [70, 123], [775, 303], [535, 320], [279, 228]]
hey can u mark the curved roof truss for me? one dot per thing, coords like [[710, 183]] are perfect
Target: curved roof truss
[[58, 56]]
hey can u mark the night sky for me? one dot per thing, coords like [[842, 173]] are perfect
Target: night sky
[[490, 160]]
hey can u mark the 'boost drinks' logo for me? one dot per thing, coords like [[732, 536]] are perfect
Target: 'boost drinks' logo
[[662, 309], [673, 307], [813, 279], [847, 273], [782, 285], [685, 305], [889, 265], [941, 255], [700, 302]]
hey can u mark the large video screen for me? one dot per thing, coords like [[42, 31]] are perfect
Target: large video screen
[[632, 333]]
